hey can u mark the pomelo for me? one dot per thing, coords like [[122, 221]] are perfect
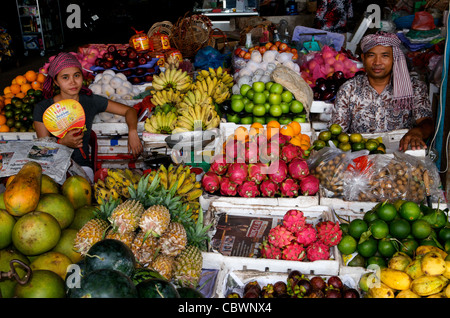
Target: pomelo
[[6, 255], [53, 261], [58, 206], [43, 284], [65, 245], [82, 215], [7, 222], [78, 190]]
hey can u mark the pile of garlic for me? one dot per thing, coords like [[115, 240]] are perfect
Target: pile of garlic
[[260, 67], [114, 86]]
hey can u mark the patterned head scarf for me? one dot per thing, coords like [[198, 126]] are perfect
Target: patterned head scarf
[[61, 61], [403, 92]]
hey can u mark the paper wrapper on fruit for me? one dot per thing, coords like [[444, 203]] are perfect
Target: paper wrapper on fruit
[[293, 82]]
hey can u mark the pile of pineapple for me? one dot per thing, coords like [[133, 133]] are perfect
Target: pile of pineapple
[[157, 225]]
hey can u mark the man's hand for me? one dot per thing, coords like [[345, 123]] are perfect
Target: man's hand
[[134, 144], [414, 139]]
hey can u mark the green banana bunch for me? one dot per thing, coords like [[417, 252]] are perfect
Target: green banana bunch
[[172, 78], [161, 123]]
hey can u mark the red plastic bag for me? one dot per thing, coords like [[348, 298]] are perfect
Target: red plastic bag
[[423, 21]]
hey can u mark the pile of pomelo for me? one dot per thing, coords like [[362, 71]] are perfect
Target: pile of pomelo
[[388, 228], [43, 239], [348, 142]]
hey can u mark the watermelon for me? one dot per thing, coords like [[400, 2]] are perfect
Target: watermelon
[[156, 288], [110, 254], [141, 274], [105, 283], [188, 292]]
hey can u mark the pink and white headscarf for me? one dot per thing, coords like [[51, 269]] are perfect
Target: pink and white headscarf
[[58, 63], [403, 92]]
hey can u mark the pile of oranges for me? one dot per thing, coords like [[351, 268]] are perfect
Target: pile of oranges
[[293, 130]]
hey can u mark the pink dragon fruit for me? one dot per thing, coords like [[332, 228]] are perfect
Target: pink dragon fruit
[[281, 139], [289, 152], [251, 154], [294, 252], [268, 188], [270, 152], [219, 165], [256, 172], [317, 251], [234, 150], [270, 251], [329, 232], [289, 188], [248, 189], [237, 172], [210, 182], [279, 236], [228, 187], [298, 168], [278, 171], [294, 220], [306, 235], [309, 185]]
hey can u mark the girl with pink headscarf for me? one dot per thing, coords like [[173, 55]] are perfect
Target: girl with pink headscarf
[[66, 73]]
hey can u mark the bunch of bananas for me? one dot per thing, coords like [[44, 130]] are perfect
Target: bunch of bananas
[[220, 73], [161, 123], [194, 97], [199, 117], [213, 87], [115, 185], [166, 96], [172, 78], [180, 176]]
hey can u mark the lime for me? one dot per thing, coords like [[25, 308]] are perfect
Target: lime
[[370, 216], [399, 228], [345, 146], [379, 229], [447, 247], [409, 211], [7, 222], [368, 247], [319, 144], [347, 245], [371, 145], [408, 246], [376, 260], [335, 129], [344, 227], [343, 138], [444, 233], [335, 142], [373, 140], [356, 146], [386, 247], [420, 229], [357, 227], [325, 135], [356, 138], [387, 212]]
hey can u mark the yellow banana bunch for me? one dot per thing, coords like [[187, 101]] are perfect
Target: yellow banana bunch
[[120, 177], [169, 96], [220, 73], [194, 97], [199, 117], [172, 78], [213, 87], [102, 194], [161, 123]]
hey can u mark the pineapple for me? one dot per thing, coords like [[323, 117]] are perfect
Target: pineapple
[[125, 217], [164, 265], [144, 248], [95, 229], [173, 240], [155, 220], [126, 238], [188, 267]]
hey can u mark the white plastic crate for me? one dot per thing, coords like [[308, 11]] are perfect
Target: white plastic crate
[[18, 136], [114, 128]]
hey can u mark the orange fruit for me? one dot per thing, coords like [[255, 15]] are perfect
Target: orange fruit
[[15, 88], [20, 79], [30, 76], [2, 119], [287, 131], [256, 125], [241, 133], [25, 87], [7, 90], [36, 85], [4, 128], [40, 78], [273, 124], [305, 138], [7, 101], [20, 95], [295, 141], [296, 127]]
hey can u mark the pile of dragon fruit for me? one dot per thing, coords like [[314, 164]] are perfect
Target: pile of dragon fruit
[[297, 240], [241, 170]]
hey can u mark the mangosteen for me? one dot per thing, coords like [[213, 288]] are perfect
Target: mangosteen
[[251, 294], [331, 85], [336, 282], [151, 70], [132, 54], [98, 61], [148, 78], [122, 53], [142, 60], [127, 73], [338, 75], [107, 64], [130, 49], [295, 275], [350, 293], [108, 56], [280, 288], [233, 295], [267, 291], [319, 81], [326, 95], [121, 65], [147, 56], [318, 282], [253, 285], [140, 71], [135, 80], [333, 293], [132, 63], [322, 86], [316, 293], [111, 48], [317, 95]]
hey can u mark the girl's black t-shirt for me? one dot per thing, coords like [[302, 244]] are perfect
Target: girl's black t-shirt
[[92, 105]]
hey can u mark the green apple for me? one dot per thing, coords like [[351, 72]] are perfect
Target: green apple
[[259, 110], [277, 88], [270, 118], [249, 107], [287, 96], [284, 120], [237, 105], [244, 89], [300, 119], [285, 107], [233, 118], [259, 87], [259, 119], [259, 98], [275, 110], [247, 120], [296, 106], [267, 106], [268, 85], [274, 99], [236, 96], [250, 94], [266, 93]]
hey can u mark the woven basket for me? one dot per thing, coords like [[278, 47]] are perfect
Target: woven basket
[[441, 5], [164, 27], [190, 35]]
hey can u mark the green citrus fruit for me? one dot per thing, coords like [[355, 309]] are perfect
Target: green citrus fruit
[[444, 233], [368, 248], [356, 138], [7, 222], [42, 284], [376, 260], [410, 211], [335, 129], [408, 246], [420, 229], [345, 146], [357, 227], [325, 135], [386, 247], [379, 229], [387, 212], [399, 228], [370, 216], [347, 245]]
